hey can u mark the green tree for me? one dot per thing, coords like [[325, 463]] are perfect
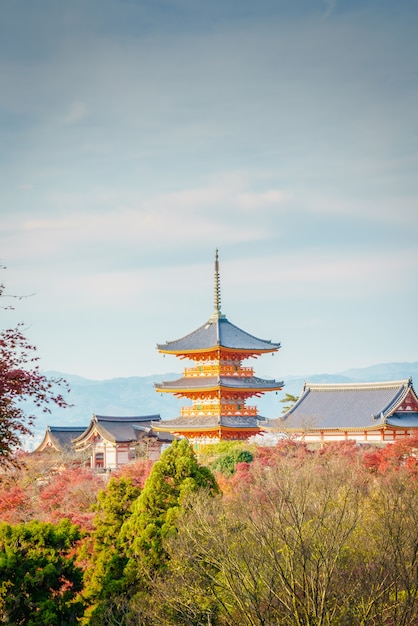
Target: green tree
[[127, 582], [39, 579], [288, 401], [106, 562], [228, 455], [154, 514]]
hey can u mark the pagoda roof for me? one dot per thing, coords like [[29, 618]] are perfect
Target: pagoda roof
[[351, 406], [216, 382], [218, 331], [208, 422], [116, 429]]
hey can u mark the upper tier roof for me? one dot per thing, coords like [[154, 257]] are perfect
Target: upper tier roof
[[218, 331], [354, 405]]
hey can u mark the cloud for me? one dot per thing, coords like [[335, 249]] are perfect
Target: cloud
[[330, 7], [220, 212], [77, 111], [273, 198]]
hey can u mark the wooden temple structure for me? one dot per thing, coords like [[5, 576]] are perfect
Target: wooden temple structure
[[217, 384], [108, 442], [111, 441], [372, 413]]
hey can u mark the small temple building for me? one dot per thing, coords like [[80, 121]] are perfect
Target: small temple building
[[376, 412], [110, 442], [217, 384]]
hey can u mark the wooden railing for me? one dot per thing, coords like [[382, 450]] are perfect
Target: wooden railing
[[219, 370], [216, 409]]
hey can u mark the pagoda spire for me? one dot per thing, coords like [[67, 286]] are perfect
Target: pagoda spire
[[217, 314], [217, 284]]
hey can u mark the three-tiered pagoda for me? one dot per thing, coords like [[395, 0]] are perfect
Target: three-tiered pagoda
[[218, 385]]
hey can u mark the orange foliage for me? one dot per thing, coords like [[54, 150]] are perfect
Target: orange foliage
[[138, 471], [401, 454]]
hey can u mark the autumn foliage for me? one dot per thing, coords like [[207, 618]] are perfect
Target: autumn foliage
[[294, 536]]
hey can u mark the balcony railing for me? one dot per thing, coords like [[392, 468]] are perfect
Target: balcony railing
[[219, 409], [219, 370]]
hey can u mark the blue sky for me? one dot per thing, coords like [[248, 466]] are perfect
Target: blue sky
[[138, 136]]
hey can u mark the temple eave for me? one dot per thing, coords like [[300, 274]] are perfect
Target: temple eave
[[190, 432], [222, 386], [203, 353]]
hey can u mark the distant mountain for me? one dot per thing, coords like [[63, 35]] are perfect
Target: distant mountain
[[136, 395]]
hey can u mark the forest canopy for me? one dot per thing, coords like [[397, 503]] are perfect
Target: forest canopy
[[290, 536]]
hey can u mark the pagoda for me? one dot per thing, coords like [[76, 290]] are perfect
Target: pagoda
[[218, 385]]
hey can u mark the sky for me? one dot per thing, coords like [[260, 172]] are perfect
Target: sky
[[137, 136]]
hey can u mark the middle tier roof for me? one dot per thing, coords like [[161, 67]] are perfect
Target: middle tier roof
[[207, 383]]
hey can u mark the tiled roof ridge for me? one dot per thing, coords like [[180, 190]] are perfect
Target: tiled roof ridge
[[392, 384], [65, 428], [127, 418]]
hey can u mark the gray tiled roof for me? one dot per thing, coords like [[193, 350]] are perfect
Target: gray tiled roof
[[362, 405], [208, 421], [118, 429], [210, 382], [216, 332], [403, 420], [63, 436]]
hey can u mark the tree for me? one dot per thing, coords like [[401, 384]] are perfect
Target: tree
[[21, 381], [127, 579], [289, 400], [112, 508], [39, 580], [153, 518], [229, 455]]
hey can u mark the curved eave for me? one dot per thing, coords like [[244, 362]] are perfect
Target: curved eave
[[220, 387], [214, 383], [207, 429], [245, 353]]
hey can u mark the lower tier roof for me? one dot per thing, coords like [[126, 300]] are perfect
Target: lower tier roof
[[201, 423]]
